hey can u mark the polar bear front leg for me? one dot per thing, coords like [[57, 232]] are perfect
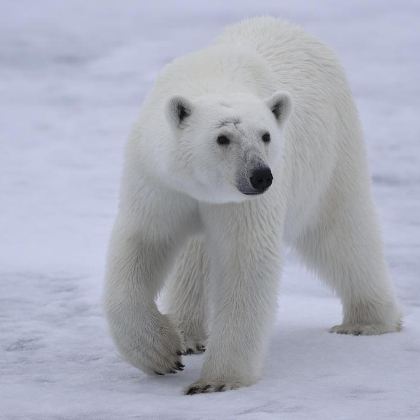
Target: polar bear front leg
[[136, 268], [244, 269]]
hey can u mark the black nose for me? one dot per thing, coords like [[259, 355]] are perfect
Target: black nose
[[261, 179]]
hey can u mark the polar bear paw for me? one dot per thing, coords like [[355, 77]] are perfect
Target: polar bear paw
[[193, 335], [365, 329], [205, 387], [193, 344], [156, 350]]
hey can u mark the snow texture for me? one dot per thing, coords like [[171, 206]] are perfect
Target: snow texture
[[72, 77]]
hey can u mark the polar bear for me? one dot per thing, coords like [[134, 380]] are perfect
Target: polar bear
[[240, 148]]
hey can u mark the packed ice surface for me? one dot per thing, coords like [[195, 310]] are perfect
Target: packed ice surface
[[72, 77]]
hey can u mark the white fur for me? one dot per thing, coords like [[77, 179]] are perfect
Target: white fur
[[180, 189]]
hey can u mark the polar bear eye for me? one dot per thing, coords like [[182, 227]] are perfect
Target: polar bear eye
[[266, 138], [223, 140]]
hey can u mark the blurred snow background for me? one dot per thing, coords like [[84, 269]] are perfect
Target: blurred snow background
[[72, 77]]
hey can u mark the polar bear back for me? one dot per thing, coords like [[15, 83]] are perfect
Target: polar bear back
[[292, 54]]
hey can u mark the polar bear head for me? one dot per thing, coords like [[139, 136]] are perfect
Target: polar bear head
[[224, 147]]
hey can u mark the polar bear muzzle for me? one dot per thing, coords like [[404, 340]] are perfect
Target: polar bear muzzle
[[258, 181], [261, 179]]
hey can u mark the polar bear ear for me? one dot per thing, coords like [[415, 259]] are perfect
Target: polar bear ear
[[280, 105], [179, 109]]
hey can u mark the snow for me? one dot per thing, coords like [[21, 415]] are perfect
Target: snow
[[72, 77]]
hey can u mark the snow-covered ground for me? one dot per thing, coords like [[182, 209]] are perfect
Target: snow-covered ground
[[72, 77]]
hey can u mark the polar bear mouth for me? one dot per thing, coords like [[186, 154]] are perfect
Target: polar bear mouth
[[250, 192]]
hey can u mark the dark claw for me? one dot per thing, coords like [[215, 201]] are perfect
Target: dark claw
[[220, 388], [193, 390], [206, 388], [172, 371], [179, 353], [158, 373], [189, 351], [179, 366], [200, 348]]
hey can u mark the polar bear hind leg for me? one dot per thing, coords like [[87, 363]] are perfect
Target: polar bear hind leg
[[343, 246], [186, 296]]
